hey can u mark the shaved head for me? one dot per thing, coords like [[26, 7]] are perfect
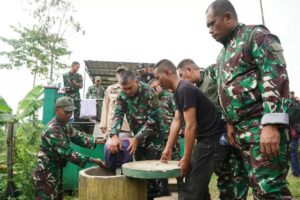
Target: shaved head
[[221, 7]]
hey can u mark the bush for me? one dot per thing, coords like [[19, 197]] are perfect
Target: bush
[[27, 145]]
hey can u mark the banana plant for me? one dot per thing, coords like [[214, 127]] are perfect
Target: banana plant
[[26, 108]]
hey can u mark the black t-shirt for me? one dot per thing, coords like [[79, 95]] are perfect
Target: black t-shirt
[[209, 122]]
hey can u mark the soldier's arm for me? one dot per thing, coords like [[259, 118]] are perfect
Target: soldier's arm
[[102, 92], [274, 83], [211, 72], [58, 143], [66, 80], [118, 117], [152, 124], [78, 83], [105, 107], [81, 139], [88, 93]]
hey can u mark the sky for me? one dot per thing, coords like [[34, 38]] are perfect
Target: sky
[[150, 30]]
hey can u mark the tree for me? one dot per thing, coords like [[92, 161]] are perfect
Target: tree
[[30, 50], [42, 47], [55, 18]]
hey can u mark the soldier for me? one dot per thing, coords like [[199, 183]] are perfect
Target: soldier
[[167, 107], [55, 151], [109, 104], [96, 91], [295, 131], [140, 104], [253, 88], [72, 84], [145, 73], [202, 122], [232, 176]]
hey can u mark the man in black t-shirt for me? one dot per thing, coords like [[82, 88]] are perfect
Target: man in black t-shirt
[[202, 122]]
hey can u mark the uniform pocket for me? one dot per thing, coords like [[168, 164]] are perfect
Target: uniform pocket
[[245, 91]]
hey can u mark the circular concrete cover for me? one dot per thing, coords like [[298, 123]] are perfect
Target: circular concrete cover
[[150, 169]]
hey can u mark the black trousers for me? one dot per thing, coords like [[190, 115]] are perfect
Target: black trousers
[[208, 154]]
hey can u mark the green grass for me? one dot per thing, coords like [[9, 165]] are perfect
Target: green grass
[[293, 181]]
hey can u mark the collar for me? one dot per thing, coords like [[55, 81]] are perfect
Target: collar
[[138, 92], [232, 34], [60, 122], [201, 78]]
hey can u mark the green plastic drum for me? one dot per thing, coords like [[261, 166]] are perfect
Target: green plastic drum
[[71, 171], [151, 169]]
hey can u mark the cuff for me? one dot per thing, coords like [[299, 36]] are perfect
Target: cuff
[[92, 141], [139, 137], [275, 118]]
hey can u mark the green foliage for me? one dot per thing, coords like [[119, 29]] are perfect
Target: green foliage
[[42, 47], [27, 143], [27, 138], [31, 103], [31, 49], [5, 111]]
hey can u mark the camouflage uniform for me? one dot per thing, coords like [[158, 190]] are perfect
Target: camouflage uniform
[[253, 88], [144, 118], [232, 175], [53, 155], [168, 107], [96, 92], [73, 91]]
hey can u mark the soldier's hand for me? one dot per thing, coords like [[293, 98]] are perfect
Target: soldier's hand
[[166, 155], [231, 135], [114, 145], [133, 143], [185, 165], [98, 162], [269, 141]]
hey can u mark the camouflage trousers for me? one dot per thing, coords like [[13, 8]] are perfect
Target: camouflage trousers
[[151, 149], [232, 177], [99, 110], [267, 177], [76, 99], [47, 182]]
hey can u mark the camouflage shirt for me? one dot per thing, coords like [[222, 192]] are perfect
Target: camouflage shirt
[[167, 107], [252, 78], [55, 147], [208, 85], [142, 112], [95, 92], [67, 77]]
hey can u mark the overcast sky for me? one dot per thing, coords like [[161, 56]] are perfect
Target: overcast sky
[[150, 30]]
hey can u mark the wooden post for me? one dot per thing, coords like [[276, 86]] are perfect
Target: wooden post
[[11, 190], [101, 184]]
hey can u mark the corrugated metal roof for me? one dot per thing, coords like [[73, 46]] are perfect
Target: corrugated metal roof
[[107, 70]]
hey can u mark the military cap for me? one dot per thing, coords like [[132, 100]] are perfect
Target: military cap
[[121, 67], [97, 78], [66, 103], [140, 66]]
